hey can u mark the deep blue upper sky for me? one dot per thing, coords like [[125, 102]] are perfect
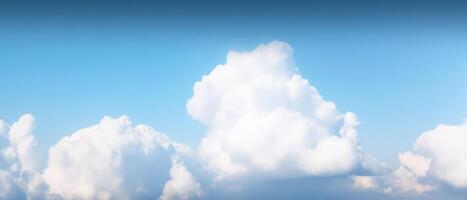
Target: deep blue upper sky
[[400, 66]]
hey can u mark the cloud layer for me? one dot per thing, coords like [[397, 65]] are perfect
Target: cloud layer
[[268, 129]]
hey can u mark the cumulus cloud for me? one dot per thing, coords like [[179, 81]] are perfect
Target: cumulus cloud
[[410, 176], [182, 185], [264, 117], [407, 177], [22, 143], [88, 164], [440, 157], [21, 154], [417, 164], [446, 146]]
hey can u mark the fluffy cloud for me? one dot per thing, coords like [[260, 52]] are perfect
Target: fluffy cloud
[[441, 156], [446, 146], [21, 154], [182, 185], [407, 176], [417, 164], [22, 144], [88, 164], [264, 117]]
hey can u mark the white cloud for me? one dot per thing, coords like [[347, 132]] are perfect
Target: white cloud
[[446, 146], [364, 182], [407, 177], [88, 164], [182, 185], [21, 154], [331, 154], [22, 144], [264, 117], [442, 156], [417, 164]]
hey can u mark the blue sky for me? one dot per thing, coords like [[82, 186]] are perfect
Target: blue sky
[[400, 67]]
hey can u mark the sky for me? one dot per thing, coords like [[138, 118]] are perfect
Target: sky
[[400, 67]]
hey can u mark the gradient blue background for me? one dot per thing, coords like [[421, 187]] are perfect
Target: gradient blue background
[[401, 66]]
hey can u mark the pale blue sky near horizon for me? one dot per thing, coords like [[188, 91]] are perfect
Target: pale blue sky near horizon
[[401, 75]]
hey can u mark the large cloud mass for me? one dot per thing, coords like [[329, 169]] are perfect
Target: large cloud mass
[[263, 116], [88, 164]]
